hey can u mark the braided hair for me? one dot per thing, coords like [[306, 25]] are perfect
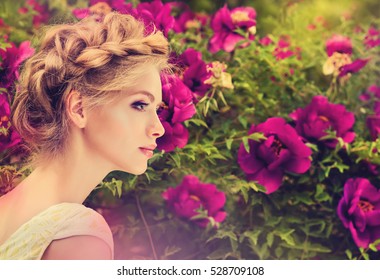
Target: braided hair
[[97, 58]]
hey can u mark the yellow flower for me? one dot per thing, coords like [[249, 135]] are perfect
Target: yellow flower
[[219, 78]]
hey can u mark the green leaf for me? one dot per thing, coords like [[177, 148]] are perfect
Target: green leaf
[[245, 143], [270, 238], [229, 143], [286, 236], [252, 236]]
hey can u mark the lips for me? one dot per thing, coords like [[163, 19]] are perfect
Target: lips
[[148, 150]]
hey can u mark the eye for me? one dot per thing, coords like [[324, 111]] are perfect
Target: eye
[[139, 106]]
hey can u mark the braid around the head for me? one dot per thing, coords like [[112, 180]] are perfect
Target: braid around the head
[[95, 58]]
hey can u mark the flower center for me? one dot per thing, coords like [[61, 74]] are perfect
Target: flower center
[[194, 197], [277, 145], [335, 62], [4, 120], [192, 24], [323, 118], [366, 206], [239, 16]]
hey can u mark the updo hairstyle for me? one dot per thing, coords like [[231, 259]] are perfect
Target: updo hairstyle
[[96, 58]]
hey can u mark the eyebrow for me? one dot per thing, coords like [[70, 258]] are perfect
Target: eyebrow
[[147, 93]]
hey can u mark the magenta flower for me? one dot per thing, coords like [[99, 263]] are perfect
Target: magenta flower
[[11, 59], [352, 67], [375, 90], [187, 19], [195, 73], [102, 7], [283, 50], [359, 210], [340, 44], [191, 196], [266, 41], [225, 23], [42, 12], [268, 160], [372, 39], [178, 107], [8, 137], [373, 124], [157, 13], [313, 121]]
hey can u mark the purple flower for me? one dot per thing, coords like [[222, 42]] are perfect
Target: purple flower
[[372, 39], [11, 59], [340, 44], [42, 14], [373, 124], [313, 121], [191, 196], [281, 151], [375, 90], [187, 19], [178, 107], [225, 23], [352, 67], [266, 41], [103, 7], [359, 210], [195, 73], [158, 13], [8, 137]]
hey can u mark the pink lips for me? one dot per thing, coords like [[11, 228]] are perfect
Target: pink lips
[[148, 150]]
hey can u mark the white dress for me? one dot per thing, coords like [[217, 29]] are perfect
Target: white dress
[[59, 221]]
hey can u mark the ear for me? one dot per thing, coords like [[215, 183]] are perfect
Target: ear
[[75, 110]]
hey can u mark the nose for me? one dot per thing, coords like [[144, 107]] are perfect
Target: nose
[[157, 129]]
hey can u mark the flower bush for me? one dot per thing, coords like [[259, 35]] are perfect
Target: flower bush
[[272, 120]]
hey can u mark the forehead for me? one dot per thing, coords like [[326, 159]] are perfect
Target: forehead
[[148, 83]]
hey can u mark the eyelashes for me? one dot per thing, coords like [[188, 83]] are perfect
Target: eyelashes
[[141, 106]]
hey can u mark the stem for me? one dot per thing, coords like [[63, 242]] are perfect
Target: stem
[[146, 227]]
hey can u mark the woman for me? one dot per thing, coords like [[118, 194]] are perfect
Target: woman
[[87, 105]]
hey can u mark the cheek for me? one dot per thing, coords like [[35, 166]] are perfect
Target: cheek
[[117, 128]]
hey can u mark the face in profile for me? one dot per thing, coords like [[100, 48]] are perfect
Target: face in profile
[[122, 134]]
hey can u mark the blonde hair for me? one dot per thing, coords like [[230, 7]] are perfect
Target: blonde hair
[[96, 58]]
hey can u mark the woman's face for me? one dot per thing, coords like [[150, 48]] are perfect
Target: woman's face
[[124, 132]]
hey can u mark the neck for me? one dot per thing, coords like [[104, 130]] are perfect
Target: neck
[[70, 178]]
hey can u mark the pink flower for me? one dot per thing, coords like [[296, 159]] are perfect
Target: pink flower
[[195, 72], [192, 197], [266, 41], [99, 8], [373, 124], [340, 44], [269, 159], [11, 59], [225, 23], [375, 90], [42, 12], [157, 13], [178, 107], [372, 39], [8, 137], [352, 67], [359, 211], [313, 121], [187, 19], [284, 50]]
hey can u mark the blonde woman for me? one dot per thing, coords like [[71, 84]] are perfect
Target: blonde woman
[[87, 105]]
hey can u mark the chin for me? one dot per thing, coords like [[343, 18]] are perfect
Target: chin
[[136, 170]]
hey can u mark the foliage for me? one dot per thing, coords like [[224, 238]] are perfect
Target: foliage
[[299, 220]]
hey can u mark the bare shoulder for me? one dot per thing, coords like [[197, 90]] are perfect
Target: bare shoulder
[[79, 247]]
